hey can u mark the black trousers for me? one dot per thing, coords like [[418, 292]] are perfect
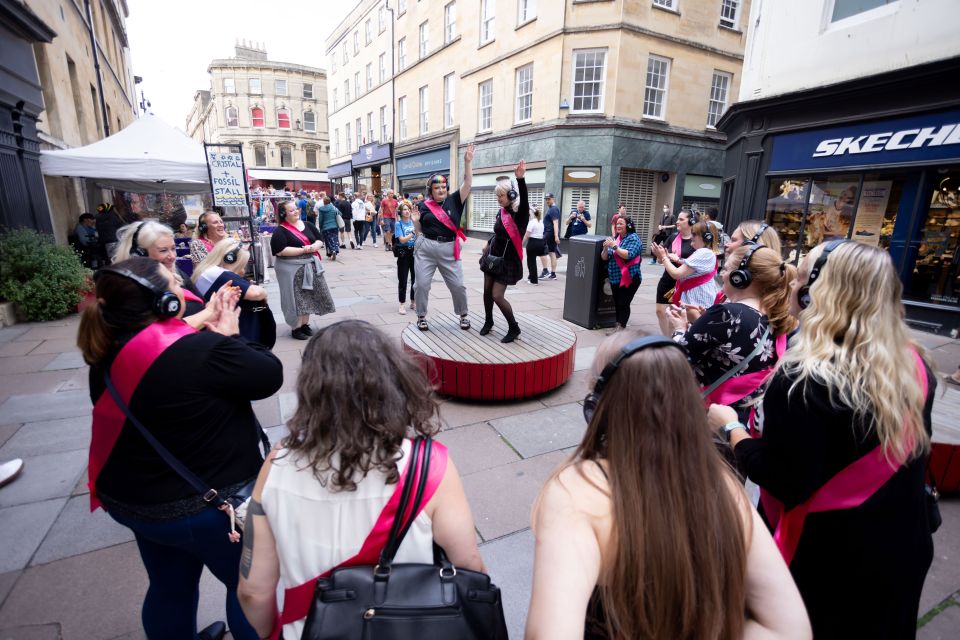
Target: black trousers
[[359, 231], [534, 251], [622, 297], [405, 268]]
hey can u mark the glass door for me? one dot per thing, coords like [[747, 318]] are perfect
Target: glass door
[[936, 277]]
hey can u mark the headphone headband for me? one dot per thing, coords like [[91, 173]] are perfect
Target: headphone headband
[[803, 294], [756, 236], [135, 248], [166, 304], [741, 277], [628, 350]]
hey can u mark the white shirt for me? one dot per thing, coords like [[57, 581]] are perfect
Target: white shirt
[[535, 228], [359, 210]]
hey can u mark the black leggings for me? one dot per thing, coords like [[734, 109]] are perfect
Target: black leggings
[[534, 250], [622, 297], [494, 291], [359, 231], [405, 267]]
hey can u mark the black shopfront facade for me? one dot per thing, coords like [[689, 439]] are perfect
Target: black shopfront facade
[[876, 160]]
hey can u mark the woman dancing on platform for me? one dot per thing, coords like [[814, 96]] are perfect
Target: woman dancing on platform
[[502, 258]]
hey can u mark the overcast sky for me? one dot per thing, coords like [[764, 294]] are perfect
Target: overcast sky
[[173, 41]]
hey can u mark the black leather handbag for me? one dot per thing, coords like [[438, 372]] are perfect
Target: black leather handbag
[[406, 601], [492, 264]]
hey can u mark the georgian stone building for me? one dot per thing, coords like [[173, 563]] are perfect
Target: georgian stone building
[[608, 102], [276, 110]]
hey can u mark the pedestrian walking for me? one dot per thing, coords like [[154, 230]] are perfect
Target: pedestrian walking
[[327, 219], [346, 215], [551, 236], [668, 223], [359, 214], [370, 215], [388, 213], [533, 239]]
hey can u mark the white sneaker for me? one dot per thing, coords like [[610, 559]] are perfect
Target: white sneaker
[[403, 310], [374, 244], [10, 470]]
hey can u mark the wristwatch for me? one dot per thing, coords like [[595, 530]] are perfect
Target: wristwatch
[[731, 426]]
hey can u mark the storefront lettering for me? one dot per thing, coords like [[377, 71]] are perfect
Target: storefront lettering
[[890, 141]]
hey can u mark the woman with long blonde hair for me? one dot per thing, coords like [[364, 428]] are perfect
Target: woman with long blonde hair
[[645, 532], [846, 432]]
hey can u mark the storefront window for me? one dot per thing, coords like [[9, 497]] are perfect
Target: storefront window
[[786, 202], [935, 276], [830, 213], [877, 209]]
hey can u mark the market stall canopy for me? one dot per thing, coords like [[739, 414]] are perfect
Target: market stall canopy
[[287, 174], [149, 156]]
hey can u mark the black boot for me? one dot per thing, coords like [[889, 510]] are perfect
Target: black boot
[[487, 326], [215, 631], [512, 333]]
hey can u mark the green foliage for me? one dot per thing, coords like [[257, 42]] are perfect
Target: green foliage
[[46, 281]]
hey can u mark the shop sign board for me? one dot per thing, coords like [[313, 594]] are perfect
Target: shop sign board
[[424, 163], [227, 178]]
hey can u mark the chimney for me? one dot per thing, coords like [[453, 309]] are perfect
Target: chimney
[[246, 50]]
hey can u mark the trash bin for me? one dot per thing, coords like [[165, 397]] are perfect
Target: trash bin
[[588, 298]]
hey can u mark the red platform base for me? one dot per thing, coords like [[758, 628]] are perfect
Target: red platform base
[[464, 364]]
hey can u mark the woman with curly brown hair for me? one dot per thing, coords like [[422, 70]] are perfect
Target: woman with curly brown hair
[[322, 491]]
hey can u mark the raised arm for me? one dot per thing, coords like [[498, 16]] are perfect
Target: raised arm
[[467, 173]]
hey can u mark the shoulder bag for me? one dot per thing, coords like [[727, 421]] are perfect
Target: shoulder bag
[[402, 601], [493, 264]]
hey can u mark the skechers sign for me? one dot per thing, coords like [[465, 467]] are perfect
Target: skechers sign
[[903, 141]]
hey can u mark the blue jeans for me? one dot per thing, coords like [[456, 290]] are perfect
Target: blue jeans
[[174, 552], [372, 228]]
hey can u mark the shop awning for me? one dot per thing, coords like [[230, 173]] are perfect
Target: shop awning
[[284, 174]]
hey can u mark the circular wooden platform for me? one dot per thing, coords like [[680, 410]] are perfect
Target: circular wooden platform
[[465, 364]]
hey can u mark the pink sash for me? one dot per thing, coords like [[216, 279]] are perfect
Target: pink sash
[[739, 387], [299, 236], [691, 283], [445, 220], [127, 371], [207, 244], [511, 226], [677, 245], [297, 600], [625, 278], [850, 488], [190, 295]]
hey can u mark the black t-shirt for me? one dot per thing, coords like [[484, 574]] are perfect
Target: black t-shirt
[[195, 398], [344, 208], [553, 213], [433, 227], [686, 248], [282, 238]]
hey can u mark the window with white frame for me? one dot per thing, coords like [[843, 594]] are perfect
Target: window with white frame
[[383, 125], [233, 117], [655, 93], [368, 31], [383, 67], [259, 155], [526, 11], [253, 84], [346, 58], [589, 78], [370, 137], [308, 90], [424, 36], [336, 142], [424, 110], [524, 94], [311, 157], [286, 156], [356, 84], [280, 87], [666, 4], [283, 118], [369, 76], [449, 97], [719, 89], [485, 106], [336, 103], [381, 19], [309, 121], [346, 129], [402, 53], [729, 11], [346, 92], [402, 117], [356, 43], [449, 22], [229, 86], [488, 14], [256, 118], [359, 134]]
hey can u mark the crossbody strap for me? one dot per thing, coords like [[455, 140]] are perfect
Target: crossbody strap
[[418, 477], [743, 364]]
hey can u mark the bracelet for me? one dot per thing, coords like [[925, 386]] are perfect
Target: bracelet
[[728, 428]]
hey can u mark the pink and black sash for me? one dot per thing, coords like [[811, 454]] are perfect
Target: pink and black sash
[[128, 369], [512, 230], [300, 236], [691, 283], [850, 488], [625, 278], [190, 295], [207, 244], [445, 220], [297, 600]]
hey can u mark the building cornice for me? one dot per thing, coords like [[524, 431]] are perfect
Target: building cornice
[[18, 17], [240, 63]]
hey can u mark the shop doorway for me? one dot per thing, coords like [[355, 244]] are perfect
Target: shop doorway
[[935, 276]]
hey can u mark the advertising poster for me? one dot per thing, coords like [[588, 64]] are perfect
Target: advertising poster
[[873, 205], [831, 211]]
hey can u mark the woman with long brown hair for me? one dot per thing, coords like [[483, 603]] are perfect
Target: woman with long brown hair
[[645, 532]]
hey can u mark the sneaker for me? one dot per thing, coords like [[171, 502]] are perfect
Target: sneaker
[[533, 281], [360, 248], [352, 245], [552, 276], [10, 470], [298, 334], [403, 309], [343, 246], [544, 273]]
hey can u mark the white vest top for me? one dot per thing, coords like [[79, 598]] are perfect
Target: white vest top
[[317, 529]]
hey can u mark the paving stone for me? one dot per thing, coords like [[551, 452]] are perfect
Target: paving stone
[[51, 436], [45, 406], [12, 333], [7, 580], [43, 477], [267, 411], [7, 431], [51, 330], [25, 364], [77, 530], [8, 349], [943, 578], [277, 433], [575, 389], [81, 487], [112, 582], [509, 562], [34, 632], [288, 405], [68, 360], [501, 497], [539, 432], [57, 345], [946, 626], [477, 447], [456, 413], [79, 381], [22, 529], [33, 383], [584, 358]]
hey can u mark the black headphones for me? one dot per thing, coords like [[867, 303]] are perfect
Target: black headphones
[[135, 248], [756, 236], [803, 293], [593, 398], [694, 218], [165, 304], [202, 224], [512, 194], [740, 278], [707, 235], [231, 256]]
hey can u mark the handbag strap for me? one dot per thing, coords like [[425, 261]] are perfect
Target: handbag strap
[[743, 364], [209, 494], [419, 466]]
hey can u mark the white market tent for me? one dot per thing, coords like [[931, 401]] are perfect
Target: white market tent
[[149, 156]]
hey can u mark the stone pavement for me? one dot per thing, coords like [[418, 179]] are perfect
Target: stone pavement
[[67, 573]]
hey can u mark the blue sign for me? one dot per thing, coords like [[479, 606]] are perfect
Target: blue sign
[[901, 141], [341, 170], [424, 163], [372, 153]]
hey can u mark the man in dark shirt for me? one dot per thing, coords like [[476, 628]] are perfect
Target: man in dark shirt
[[439, 245], [302, 205], [579, 221], [668, 223], [551, 234], [346, 212]]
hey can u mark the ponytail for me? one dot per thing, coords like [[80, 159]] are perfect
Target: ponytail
[[771, 277]]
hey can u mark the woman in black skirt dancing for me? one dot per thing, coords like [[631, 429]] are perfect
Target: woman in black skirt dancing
[[502, 259]]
